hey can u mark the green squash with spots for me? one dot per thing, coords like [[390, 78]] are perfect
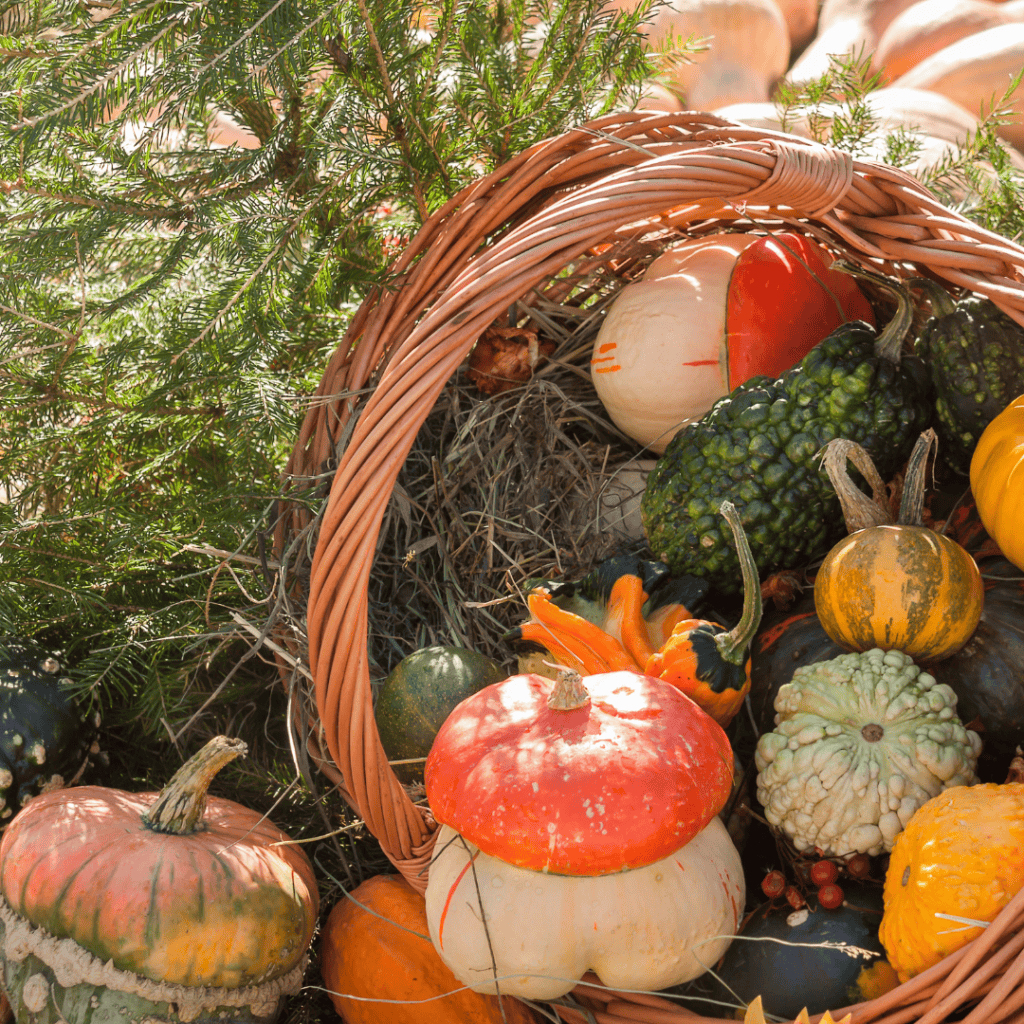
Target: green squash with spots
[[976, 356], [419, 694], [758, 447]]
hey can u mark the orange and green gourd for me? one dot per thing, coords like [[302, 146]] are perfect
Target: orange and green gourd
[[894, 585], [173, 906], [703, 659]]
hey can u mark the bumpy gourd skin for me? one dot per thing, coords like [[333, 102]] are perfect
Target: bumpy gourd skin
[[757, 447], [961, 854], [860, 743], [976, 355]]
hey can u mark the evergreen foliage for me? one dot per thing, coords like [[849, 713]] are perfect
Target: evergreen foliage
[[166, 300]]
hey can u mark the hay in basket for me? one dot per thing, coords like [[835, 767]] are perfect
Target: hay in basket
[[558, 229]]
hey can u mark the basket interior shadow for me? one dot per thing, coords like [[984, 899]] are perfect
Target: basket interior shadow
[[566, 222]]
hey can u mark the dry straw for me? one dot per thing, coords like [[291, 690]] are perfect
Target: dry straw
[[563, 224]]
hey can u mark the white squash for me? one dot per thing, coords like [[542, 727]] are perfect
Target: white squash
[[547, 930], [860, 742], [618, 504], [652, 370], [579, 832]]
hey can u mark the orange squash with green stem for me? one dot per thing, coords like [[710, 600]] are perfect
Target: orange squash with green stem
[[709, 663], [614, 617]]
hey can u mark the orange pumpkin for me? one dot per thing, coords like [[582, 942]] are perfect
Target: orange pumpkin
[[961, 854], [380, 967], [997, 480], [898, 586], [151, 890]]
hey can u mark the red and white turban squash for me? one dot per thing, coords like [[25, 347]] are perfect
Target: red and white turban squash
[[708, 315], [579, 832]]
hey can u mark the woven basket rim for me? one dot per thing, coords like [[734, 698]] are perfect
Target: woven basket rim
[[500, 237]]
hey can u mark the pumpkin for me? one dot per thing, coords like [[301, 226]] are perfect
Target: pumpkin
[[860, 742], [579, 831], [848, 28], [928, 26], [997, 480], [380, 967], [986, 674], [800, 958], [747, 47], [898, 586], [708, 315], [975, 70], [418, 696], [42, 732], [709, 663], [171, 906], [958, 858]]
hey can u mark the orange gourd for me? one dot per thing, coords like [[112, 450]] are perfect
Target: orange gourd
[[975, 70], [961, 854], [898, 586], [930, 25], [380, 967], [997, 480]]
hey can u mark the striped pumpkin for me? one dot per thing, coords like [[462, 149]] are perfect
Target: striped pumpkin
[[894, 585], [173, 887], [904, 588]]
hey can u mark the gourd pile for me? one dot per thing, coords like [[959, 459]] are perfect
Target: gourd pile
[[667, 707], [939, 62]]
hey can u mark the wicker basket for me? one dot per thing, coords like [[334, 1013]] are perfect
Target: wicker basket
[[553, 214]]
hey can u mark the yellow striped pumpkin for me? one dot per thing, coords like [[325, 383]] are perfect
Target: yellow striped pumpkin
[[899, 587], [895, 585]]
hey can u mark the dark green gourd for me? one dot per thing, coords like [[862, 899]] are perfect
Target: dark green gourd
[[758, 448], [975, 353]]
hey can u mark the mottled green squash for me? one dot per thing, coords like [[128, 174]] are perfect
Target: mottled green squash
[[976, 356], [418, 696], [43, 738]]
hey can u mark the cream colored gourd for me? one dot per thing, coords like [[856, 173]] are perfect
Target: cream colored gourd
[[931, 25], [860, 742], [618, 503], [845, 27], [649, 331], [546, 930], [747, 41], [974, 70]]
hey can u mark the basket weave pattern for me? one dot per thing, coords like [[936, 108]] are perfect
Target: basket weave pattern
[[562, 205]]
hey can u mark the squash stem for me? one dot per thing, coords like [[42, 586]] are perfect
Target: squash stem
[[912, 500], [889, 343], [733, 646], [569, 693], [182, 802], [938, 298], [859, 511]]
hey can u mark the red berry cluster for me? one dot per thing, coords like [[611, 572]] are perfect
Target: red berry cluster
[[824, 874]]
